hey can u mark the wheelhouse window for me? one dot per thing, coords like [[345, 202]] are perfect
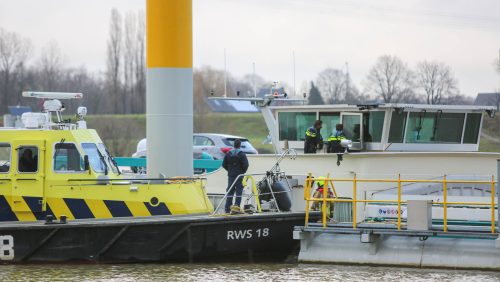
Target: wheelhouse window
[[435, 127], [449, 128], [293, 125], [472, 127], [330, 120], [96, 159], [67, 158], [5, 151], [373, 123], [107, 158], [28, 159], [397, 129]]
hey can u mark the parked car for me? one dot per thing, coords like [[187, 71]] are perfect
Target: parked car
[[211, 143]]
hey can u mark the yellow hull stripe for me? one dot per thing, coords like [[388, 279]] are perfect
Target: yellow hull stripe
[[21, 209], [137, 208], [59, 207], [98, 208]]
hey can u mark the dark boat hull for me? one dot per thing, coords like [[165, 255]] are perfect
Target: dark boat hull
[[154, 239]]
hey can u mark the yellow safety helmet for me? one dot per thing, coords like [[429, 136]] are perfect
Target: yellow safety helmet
[[321, 181]]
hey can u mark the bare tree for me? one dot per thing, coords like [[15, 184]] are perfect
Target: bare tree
[[14, 51], [129, 53], [139, 105], [391, 79], [332, 83], [254, 79], [436, 80], [458, 99], [114, 57], [50, 65]]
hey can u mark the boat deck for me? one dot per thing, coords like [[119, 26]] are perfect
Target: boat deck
[[160, 219], [457, 231]]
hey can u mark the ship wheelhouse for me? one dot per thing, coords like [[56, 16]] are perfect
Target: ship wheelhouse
[[387, 127]]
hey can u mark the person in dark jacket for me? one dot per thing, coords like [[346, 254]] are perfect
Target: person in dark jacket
[[334, 142], [236, 163], [313, 139]]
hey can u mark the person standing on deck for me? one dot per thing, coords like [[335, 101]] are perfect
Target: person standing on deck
[[334, 142], [313, 139], [236, 163]]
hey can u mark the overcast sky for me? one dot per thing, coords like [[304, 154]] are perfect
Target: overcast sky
[[463, 34]]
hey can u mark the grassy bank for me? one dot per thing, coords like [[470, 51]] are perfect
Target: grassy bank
[[122, 132], [491, 128]]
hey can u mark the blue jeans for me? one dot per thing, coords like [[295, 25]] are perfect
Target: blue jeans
[[238, 188]]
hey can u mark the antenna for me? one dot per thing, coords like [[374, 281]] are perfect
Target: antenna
[[52, 105], [225, 74], [347, 90], [254, 87], [294, 88]]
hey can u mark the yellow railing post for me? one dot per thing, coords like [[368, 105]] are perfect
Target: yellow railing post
[[307, 195], [354, 201], [493, 203], [445, 203], [399, 201], [325, 200], [323, 207]]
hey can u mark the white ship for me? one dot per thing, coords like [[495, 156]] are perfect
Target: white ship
[[411, 140]]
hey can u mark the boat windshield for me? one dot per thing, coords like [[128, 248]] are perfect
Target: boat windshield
[[96, 159], [107, 156]]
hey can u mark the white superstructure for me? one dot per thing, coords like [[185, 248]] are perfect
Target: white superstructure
[[416, 141]]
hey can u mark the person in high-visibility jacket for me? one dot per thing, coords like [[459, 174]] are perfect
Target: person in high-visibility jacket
[[313, 140], [334, 142], [318, 193]]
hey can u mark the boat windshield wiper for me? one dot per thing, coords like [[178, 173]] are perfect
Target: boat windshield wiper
[[421, 118], [437, 119], [112, 163], [103, 161]]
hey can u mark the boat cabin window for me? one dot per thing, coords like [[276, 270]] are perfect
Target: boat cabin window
[[397, 129], [28, 159], [107, 157], [330, 120], [67, 158], [435, 127], [373, 124], [293, 125], [96, 160], [5, 150], [472, 127]]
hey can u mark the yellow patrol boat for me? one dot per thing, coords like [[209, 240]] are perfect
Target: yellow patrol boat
[[57, 168], [63, 198]]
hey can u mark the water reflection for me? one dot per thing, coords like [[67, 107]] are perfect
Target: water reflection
[[233, 272]]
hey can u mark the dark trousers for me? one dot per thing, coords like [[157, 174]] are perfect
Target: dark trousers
[[237, 188]]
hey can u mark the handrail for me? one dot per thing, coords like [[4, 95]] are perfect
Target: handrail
[[255, 194], [137, 179], [354, 201]]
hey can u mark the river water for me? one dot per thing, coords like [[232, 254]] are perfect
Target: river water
[[233, 272]]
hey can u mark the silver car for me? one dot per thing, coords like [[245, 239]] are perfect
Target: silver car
[[211, 143]]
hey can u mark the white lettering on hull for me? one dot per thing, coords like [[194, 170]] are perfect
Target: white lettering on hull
[[6, 247], [247, 234]]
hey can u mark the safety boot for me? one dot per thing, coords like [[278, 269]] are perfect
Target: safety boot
[[235, 210]]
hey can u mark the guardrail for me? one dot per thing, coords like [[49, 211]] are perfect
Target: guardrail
[[330, 181], [205, 164]]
